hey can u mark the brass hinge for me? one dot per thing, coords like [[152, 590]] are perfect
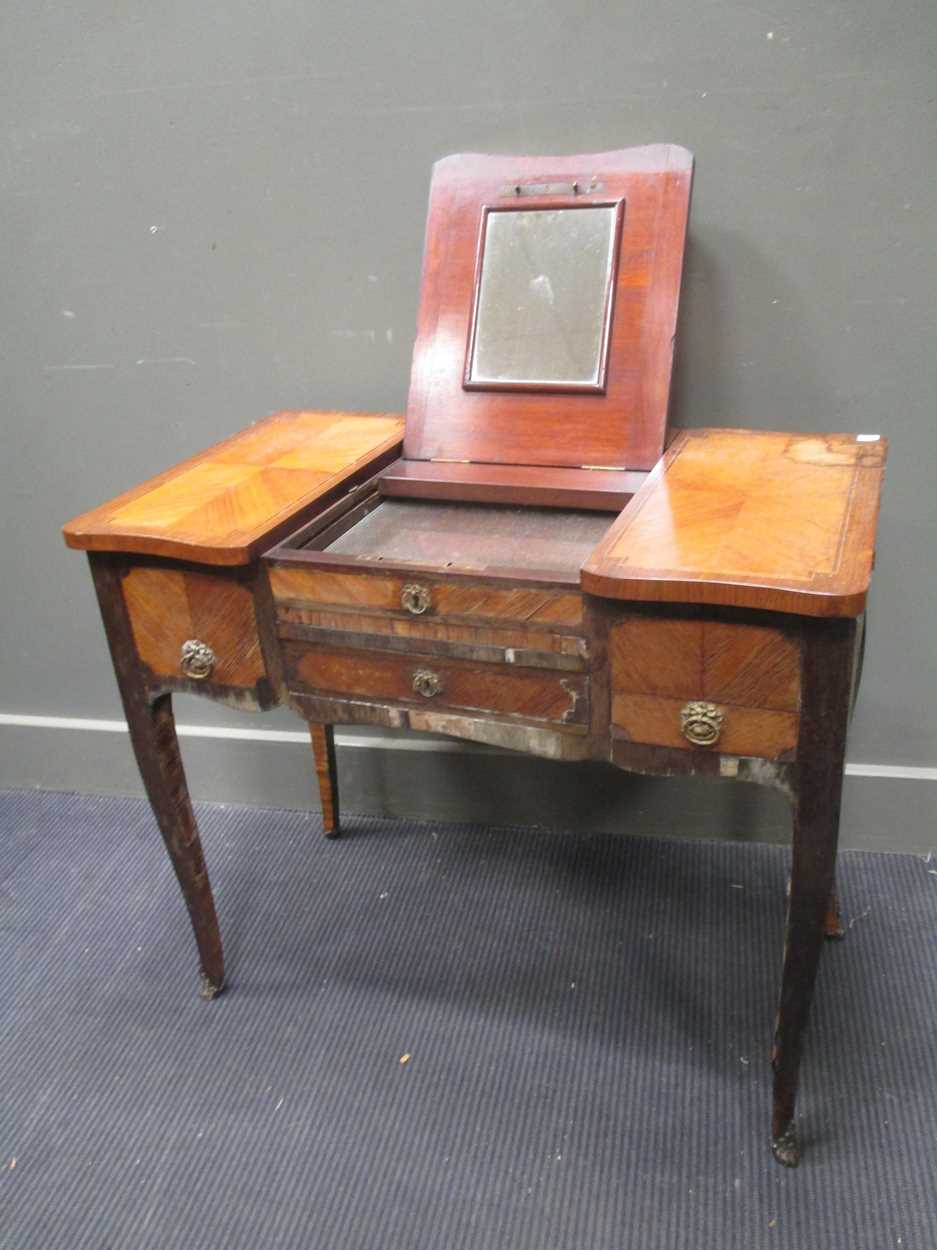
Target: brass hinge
[[611, 468], [446, 460]]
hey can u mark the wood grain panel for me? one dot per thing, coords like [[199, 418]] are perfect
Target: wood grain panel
[[468, 600], [750, 666], [759, 732], [624, 428], [168, 606], [224, 505], [747, 665], [783, 522], [434, 630], [649, 656], [527, 693]]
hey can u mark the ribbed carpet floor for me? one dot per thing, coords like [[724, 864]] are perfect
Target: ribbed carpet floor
[[588, 1020]]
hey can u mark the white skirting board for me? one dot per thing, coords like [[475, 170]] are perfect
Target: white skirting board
[[886, 806]]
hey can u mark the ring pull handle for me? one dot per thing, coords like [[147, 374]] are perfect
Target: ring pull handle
[[426, 682], [415, 599], [197, 660], [701, 723]]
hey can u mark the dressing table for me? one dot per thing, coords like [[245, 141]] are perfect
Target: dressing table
[[526, 559]]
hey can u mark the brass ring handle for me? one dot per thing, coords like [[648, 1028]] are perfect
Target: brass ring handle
[[197, 659], [701, 723], [415, 599], [426, 682]]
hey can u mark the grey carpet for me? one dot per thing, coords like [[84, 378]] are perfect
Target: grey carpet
[[588, 1019]]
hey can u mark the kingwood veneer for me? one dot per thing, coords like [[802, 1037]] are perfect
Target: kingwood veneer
[[482, 587]]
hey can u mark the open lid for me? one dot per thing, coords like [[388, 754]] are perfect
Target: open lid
[[548, 308]]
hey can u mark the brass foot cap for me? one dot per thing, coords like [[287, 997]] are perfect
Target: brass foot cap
[[786, 1148]]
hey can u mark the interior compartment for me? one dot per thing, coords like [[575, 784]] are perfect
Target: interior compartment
[[464, 536]]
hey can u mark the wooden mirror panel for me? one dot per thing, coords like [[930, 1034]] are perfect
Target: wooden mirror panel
[[619, 426]]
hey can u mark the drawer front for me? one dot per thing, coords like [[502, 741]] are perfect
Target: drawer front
[[428, 681], [425, 598], [169, 608], [705, 685], [429, 633]]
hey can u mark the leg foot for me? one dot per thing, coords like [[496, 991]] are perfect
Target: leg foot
[[207, 988], [786, 1147], [323, 752]]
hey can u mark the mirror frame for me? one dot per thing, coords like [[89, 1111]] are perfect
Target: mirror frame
[[533, 205], [624, 428]]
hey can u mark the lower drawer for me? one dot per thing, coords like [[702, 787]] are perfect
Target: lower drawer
[[533, 694]]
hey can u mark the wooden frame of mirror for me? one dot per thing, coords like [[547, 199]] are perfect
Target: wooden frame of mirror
[[622, 427]]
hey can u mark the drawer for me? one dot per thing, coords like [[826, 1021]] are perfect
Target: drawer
[[427, 598], [425, 681], [389, 631], [171, 607], [705, 685]]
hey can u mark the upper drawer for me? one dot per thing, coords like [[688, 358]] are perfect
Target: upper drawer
[[425, 597], [750, 675]]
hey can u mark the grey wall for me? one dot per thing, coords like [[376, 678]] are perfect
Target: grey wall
[[211, 212]]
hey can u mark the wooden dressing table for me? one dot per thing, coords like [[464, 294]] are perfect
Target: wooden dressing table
[[534, 570]]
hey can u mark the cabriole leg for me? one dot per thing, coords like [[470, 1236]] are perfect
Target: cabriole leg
[[323, 752], [820, 755], [156, 747]]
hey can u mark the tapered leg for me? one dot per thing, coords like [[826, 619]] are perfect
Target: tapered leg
[[323, 752], [153, 737], [153, 733], [820, 758]]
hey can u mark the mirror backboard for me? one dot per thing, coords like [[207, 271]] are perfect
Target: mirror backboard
[[560, 354], [543, 298]]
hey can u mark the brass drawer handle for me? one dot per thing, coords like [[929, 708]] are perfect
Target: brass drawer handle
[[415, 599], [701, 723], [197, 659], [426, 683]]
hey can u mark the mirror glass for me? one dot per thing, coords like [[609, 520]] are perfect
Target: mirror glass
[[543, 296]]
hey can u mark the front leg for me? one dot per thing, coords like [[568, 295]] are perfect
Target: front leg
[[156, 747], [827, 659], [323, 753]]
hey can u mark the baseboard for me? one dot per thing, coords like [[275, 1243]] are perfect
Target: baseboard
[[886, 807]]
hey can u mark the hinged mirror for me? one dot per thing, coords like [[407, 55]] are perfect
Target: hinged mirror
[[548, 309]]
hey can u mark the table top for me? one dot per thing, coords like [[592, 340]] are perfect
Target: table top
[[746, 518], [222, 505]]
